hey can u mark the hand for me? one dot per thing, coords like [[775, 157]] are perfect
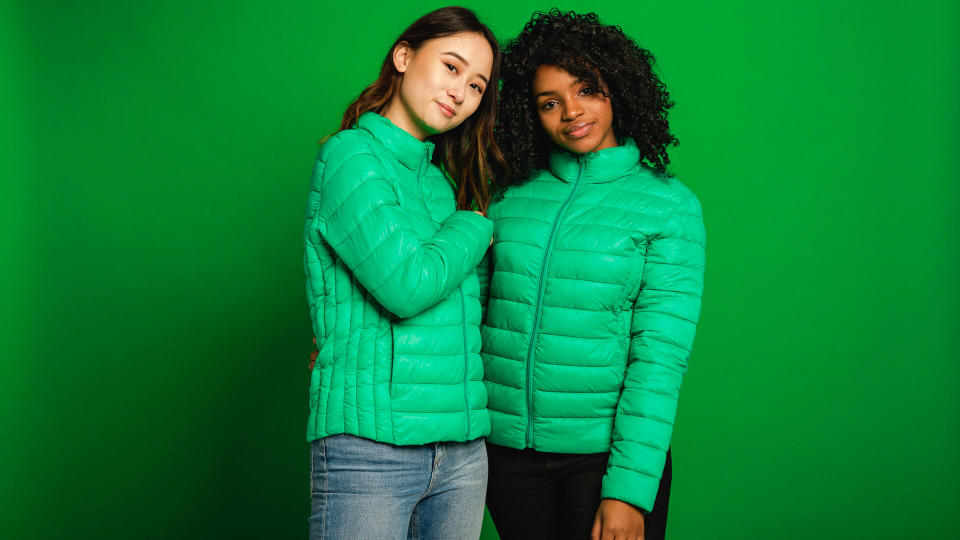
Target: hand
[[617, 520], [484, 215], [313, 356]]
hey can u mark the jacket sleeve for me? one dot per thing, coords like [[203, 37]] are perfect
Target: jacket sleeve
[[662, 328], [359, 216]]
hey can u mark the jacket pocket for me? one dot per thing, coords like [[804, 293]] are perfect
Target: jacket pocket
[[631, 284], [390, 355]]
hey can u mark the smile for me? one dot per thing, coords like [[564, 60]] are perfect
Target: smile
[[579, 130], [447, 111]]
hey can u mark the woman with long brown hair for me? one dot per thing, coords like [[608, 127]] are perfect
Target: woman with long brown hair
[[397, 402]]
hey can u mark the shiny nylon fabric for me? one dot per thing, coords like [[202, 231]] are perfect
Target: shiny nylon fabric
[[595, 281], [393, 293]]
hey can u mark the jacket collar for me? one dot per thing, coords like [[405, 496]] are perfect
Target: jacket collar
[[598, 167], [407, 149]]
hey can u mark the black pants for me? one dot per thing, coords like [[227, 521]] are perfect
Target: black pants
[[542, 495]]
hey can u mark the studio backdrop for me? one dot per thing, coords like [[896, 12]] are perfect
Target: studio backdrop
[[155, 328]]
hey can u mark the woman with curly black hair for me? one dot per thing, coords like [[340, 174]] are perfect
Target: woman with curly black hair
[[594, 282]]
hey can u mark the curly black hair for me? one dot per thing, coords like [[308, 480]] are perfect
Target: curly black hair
[[601, 55]]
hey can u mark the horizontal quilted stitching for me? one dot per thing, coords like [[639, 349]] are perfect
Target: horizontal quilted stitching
[[620, 301], [393, 294]]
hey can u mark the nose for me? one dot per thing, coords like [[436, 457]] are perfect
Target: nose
[[572, 110], [456, 92]]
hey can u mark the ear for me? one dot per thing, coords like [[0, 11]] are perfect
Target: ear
[[402, 54]]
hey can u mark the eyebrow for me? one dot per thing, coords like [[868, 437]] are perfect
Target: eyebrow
[[464, 60], [548, 92]]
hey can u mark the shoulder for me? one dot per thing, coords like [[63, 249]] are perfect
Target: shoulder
[[347, 160], [671, 194], [676, 205], [686, 213], [538, 180], [351, 147], [541, 184], [684, 199]]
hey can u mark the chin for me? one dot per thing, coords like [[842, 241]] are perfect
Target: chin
[[440, 124]]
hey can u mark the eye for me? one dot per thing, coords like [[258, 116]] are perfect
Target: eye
[[547, 105], [477, 87], [451, 67], [586, 91]]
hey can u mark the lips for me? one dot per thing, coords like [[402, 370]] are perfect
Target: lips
[[578, 130], [447, 110]]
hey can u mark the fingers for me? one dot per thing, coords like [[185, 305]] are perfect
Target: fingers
[[313, 358], [603, 526], [611, 535], [604, 530], [597, 524]]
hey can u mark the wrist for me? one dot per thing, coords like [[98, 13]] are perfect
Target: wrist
[[625, 504]]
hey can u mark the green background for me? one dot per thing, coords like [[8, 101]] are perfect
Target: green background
[[155, 332]]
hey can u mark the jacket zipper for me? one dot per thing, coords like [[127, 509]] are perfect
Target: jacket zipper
[[466, 362], [463, 317], [536, 316], [423, 164]]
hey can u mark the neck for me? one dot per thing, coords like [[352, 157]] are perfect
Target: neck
[[596, 167], [397, 113], [608, 141]]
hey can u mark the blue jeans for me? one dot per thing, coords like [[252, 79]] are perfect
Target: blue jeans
[[366, 489]]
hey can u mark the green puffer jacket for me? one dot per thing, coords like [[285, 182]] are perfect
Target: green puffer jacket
[[595, 279], [393, 293]]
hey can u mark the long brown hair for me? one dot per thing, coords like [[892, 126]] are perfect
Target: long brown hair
[[468, 153]]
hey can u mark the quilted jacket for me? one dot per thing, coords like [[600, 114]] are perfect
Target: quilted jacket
[[393, 293], [595, 280]]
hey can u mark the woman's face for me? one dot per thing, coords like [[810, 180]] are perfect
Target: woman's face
[[443, 83], [576, 117]]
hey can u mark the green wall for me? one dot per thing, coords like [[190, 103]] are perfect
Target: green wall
[[155, 325]]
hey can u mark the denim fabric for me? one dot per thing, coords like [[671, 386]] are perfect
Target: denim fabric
[[366, 489]]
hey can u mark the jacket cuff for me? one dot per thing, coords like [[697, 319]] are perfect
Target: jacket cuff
[[478, 227], [631, 487]]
